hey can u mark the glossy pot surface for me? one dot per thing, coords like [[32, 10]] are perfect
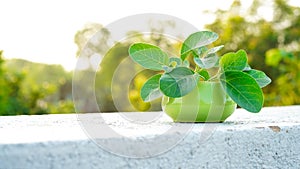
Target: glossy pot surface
[[208, 102]]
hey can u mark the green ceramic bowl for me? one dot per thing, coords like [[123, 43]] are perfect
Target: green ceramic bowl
[[208, 102]]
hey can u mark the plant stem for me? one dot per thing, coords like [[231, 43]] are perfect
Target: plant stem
[[196, 68], [216, 76]]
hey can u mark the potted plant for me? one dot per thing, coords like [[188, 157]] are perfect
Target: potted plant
[[207, 91]]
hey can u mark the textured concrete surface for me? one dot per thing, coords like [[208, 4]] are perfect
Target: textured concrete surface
[[269, 139]]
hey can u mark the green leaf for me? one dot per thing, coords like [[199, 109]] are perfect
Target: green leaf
[[150, 90], [148, 56], [234, 61], [207, 62], [179, 82], [201, 51], [247, 67], [208, 56], [197, 40], [215, 49], [261, 78], [204, 74], [243, 89], [167, 68], [186, 63], [175, 60]]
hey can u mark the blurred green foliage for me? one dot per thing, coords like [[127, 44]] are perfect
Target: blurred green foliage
[[32, 88], [11, 101], [273, 45], [111, 86]]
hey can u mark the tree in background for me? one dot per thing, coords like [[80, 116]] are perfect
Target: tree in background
[[273, 45], [32, 88], [110, 61], [11, 101]]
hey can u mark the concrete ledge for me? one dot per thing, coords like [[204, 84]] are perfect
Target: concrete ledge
[[269, 139]]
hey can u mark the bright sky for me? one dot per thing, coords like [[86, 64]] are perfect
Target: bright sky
[[43, 31]]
